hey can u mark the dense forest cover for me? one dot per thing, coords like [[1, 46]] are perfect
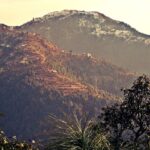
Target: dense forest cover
[[122, 126]]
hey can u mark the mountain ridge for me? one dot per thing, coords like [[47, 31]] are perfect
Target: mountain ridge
[[67, 13], [93, 32]]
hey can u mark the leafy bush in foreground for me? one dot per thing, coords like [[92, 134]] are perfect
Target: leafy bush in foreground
[[14, 144]]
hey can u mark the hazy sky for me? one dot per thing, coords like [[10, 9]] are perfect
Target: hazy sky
[[134, 12]]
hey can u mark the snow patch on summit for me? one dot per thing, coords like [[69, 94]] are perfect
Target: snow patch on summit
[[96, 24]]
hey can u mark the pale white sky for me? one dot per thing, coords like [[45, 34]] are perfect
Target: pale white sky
[[134, 12]]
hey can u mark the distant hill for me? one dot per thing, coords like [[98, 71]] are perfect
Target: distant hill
[[38, 78], [93, 32]]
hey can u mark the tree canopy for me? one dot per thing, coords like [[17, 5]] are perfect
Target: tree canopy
[[128, 124]]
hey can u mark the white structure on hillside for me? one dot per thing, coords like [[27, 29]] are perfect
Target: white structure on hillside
[[89, 55]]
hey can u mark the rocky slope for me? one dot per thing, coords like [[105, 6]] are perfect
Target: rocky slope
[[37, 78], [96, 33]]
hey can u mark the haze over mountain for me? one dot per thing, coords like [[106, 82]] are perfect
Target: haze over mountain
[[38, 78], [93, 32]]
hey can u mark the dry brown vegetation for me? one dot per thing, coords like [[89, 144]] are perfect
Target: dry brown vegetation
[[37, 78]]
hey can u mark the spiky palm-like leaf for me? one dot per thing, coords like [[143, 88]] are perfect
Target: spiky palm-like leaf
[[77, 134]]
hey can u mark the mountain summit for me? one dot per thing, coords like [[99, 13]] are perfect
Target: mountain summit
[[93, 32]]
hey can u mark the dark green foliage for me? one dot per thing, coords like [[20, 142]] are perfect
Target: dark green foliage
[[128, 124]]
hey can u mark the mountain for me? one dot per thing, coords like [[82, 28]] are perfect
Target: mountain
[[93, 32], [37, 79], [97, 73]]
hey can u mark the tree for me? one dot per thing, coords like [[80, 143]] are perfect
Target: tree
[[128, 124]]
